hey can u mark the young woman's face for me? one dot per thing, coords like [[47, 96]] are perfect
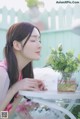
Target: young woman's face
[[32, 48]]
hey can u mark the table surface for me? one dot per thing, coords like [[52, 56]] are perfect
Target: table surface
[[51, 94], [48, 97]]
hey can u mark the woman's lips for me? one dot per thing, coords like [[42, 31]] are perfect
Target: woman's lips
[[38, 53]]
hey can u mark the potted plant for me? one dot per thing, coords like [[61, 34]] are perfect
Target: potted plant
[[32, 3], [67, 64], [33, 6]]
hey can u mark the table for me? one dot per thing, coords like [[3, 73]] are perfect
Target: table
[[49, 98]]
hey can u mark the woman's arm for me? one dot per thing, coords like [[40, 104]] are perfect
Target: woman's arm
[[4, 85], [6, 94], [25, 84], [10, 93]]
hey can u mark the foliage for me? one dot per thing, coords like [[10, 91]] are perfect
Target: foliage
[[33, 3], [75, 111], [63, 62]]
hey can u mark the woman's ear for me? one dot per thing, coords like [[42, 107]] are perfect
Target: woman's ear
[[17, 45]]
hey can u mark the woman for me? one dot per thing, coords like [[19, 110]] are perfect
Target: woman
[[16, 73]]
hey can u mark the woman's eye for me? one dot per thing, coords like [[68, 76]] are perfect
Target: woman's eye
[[33, 40]]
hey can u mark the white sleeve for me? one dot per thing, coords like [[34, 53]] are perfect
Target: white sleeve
[[4, 83]]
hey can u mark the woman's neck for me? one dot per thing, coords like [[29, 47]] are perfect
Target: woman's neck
[[22, 62]]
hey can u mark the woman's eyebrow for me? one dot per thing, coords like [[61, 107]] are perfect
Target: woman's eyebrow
[[35, 36]]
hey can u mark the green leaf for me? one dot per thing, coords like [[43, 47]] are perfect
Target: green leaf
[[63, 62]]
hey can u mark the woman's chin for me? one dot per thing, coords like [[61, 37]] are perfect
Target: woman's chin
[[37, 58]]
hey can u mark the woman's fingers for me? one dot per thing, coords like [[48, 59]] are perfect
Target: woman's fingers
[[38, 84], [41, 85], [30, 84]]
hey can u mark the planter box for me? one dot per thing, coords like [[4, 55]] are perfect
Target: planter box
[[67, 85]]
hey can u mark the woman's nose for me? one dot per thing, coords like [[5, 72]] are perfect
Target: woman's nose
[[39, 45]]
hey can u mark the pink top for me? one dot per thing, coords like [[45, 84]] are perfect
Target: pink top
[[5, 83], [4, 86]]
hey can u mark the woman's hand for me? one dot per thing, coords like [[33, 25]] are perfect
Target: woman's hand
[[41, 85], [29, 85]]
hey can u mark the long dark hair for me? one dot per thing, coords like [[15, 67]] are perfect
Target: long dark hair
[[17, 31]]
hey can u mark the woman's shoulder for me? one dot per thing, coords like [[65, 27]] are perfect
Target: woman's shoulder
[[3, 64]]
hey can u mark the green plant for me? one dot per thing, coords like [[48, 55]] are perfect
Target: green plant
[[75, 111], [33, 3], [66, 63]]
